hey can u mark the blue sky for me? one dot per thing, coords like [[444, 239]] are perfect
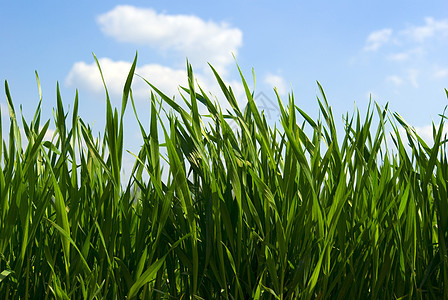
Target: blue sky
[[394, 51]]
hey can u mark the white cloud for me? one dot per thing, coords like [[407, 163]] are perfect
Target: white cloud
[[164, 78], [276, 81], [431, 29], [87, 76], [83, 75], [416, 51], [189, 36], [395, 79], [406, 55], [402, 56], [377, 39], [168, 80], [413, 40]]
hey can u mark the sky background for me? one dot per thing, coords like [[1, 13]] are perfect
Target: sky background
[[391, 51]]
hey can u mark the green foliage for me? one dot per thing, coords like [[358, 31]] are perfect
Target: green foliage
[[256, 212]]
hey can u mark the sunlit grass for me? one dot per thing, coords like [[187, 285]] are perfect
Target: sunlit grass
[[252, 213]]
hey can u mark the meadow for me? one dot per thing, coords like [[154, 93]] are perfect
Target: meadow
[[260, 212]]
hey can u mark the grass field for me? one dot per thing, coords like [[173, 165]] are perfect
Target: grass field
[[293, 212]]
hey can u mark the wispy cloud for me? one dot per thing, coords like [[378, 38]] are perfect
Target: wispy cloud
[[431, 28], [409, 41], [414, 53], [402, 56], [440, 73], [407, 54], [396, 80], [413, 77], [377, 39]]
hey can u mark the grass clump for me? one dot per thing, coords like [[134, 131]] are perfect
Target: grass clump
[[257, 212]]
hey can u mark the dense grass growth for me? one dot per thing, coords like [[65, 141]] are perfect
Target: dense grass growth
[[260, 212]]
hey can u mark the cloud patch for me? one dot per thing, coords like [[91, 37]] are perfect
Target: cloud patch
[[413, 77], [410, 42], [440, 73], [377, 39], [87, 76], [396, 80], [432, 28], [406, 55], [415, 52]]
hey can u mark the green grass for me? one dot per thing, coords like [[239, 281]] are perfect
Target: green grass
[[293, 212]]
